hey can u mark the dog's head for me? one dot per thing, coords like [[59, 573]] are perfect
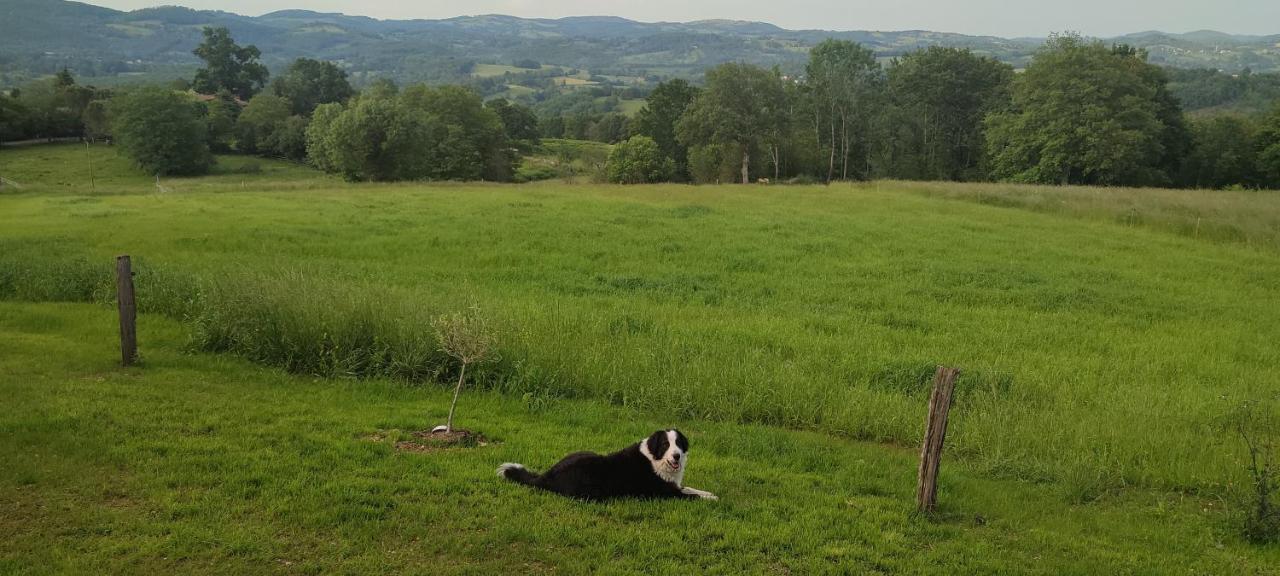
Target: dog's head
[[668, 453]]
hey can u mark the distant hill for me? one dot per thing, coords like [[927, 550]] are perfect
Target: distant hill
[[1209, 49], [40, 36]]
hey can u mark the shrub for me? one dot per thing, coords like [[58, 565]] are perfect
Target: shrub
[[321, 151], [291, 138], [378, 139], [162, 131], [1259, 428], [420, 133], [638, 161], [535, 173]]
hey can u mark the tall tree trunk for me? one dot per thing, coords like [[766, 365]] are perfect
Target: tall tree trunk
[[844, 144], [831, 158], [746, 165], [817, 126], [777, 161]]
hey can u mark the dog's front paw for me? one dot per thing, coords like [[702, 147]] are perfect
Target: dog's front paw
[[699, 493]]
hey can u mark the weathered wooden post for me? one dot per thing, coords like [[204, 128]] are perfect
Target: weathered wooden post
[[128, 311], [935, 432]]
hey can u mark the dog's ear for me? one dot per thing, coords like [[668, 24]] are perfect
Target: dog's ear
[[681, 442], [657, 444]]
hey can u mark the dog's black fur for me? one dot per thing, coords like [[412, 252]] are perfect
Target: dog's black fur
[[636, 471]]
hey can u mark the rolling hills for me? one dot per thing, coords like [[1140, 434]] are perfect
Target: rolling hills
[[41, 36]]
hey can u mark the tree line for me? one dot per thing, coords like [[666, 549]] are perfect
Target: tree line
[[1080, 113], [309, 113]]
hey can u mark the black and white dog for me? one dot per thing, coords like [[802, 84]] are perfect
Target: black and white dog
[[651, 468]]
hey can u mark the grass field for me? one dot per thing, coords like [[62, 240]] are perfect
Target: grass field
[[206, 464], [573, 81], [631, 107], [1103, 341], [489, 70], [76, 169]]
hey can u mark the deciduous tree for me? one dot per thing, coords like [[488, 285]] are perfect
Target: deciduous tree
[[228, 66], [518, 122], [259, 122], [97, 122], [659, 117], [1224, 153], [638, 160], [942, 96], [309, 83], [1083, 114], [842, 79], [741, 108], [1269, 148], [162, 130], [221, 113]]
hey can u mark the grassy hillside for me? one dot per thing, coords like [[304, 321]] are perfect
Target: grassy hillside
[[808, 307], [1104, 338], [78, 169], [565, 160], [199, 464]]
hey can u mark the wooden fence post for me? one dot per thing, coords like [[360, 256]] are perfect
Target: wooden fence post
[[935, 432], [128, 311]]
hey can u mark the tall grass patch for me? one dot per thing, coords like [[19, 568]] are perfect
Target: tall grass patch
[[1238, 216]]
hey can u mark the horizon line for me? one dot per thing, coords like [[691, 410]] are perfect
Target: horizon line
[[679, 22]]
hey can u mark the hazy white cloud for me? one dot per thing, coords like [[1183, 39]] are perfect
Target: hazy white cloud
[[994, 17]]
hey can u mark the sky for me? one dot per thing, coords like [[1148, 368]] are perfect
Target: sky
[[983, 17]]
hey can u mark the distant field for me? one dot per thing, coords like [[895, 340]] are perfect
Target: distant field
[[489, 70], [1104, 334], [573, 82], [75, 168], [516, 90], [630, 107]]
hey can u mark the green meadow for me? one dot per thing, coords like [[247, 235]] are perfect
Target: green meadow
[[1105, 338]]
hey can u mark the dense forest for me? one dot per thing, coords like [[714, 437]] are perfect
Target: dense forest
[[1080, 112]]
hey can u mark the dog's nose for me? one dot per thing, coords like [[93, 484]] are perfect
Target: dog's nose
[[676, 457]]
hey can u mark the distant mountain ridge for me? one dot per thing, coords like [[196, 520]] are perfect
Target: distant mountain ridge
[[37, 35]]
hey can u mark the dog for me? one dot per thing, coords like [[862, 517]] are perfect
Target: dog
[[651, 468]]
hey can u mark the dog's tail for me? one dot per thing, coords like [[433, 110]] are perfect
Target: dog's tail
[[517, 473]]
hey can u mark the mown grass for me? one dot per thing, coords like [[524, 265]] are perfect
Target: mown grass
[[1097, 356], [196, 463]]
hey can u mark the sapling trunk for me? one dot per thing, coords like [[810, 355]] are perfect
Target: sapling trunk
[[464, 337], [448, 425]]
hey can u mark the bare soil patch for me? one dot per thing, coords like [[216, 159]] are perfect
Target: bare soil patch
[[425, 441]]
